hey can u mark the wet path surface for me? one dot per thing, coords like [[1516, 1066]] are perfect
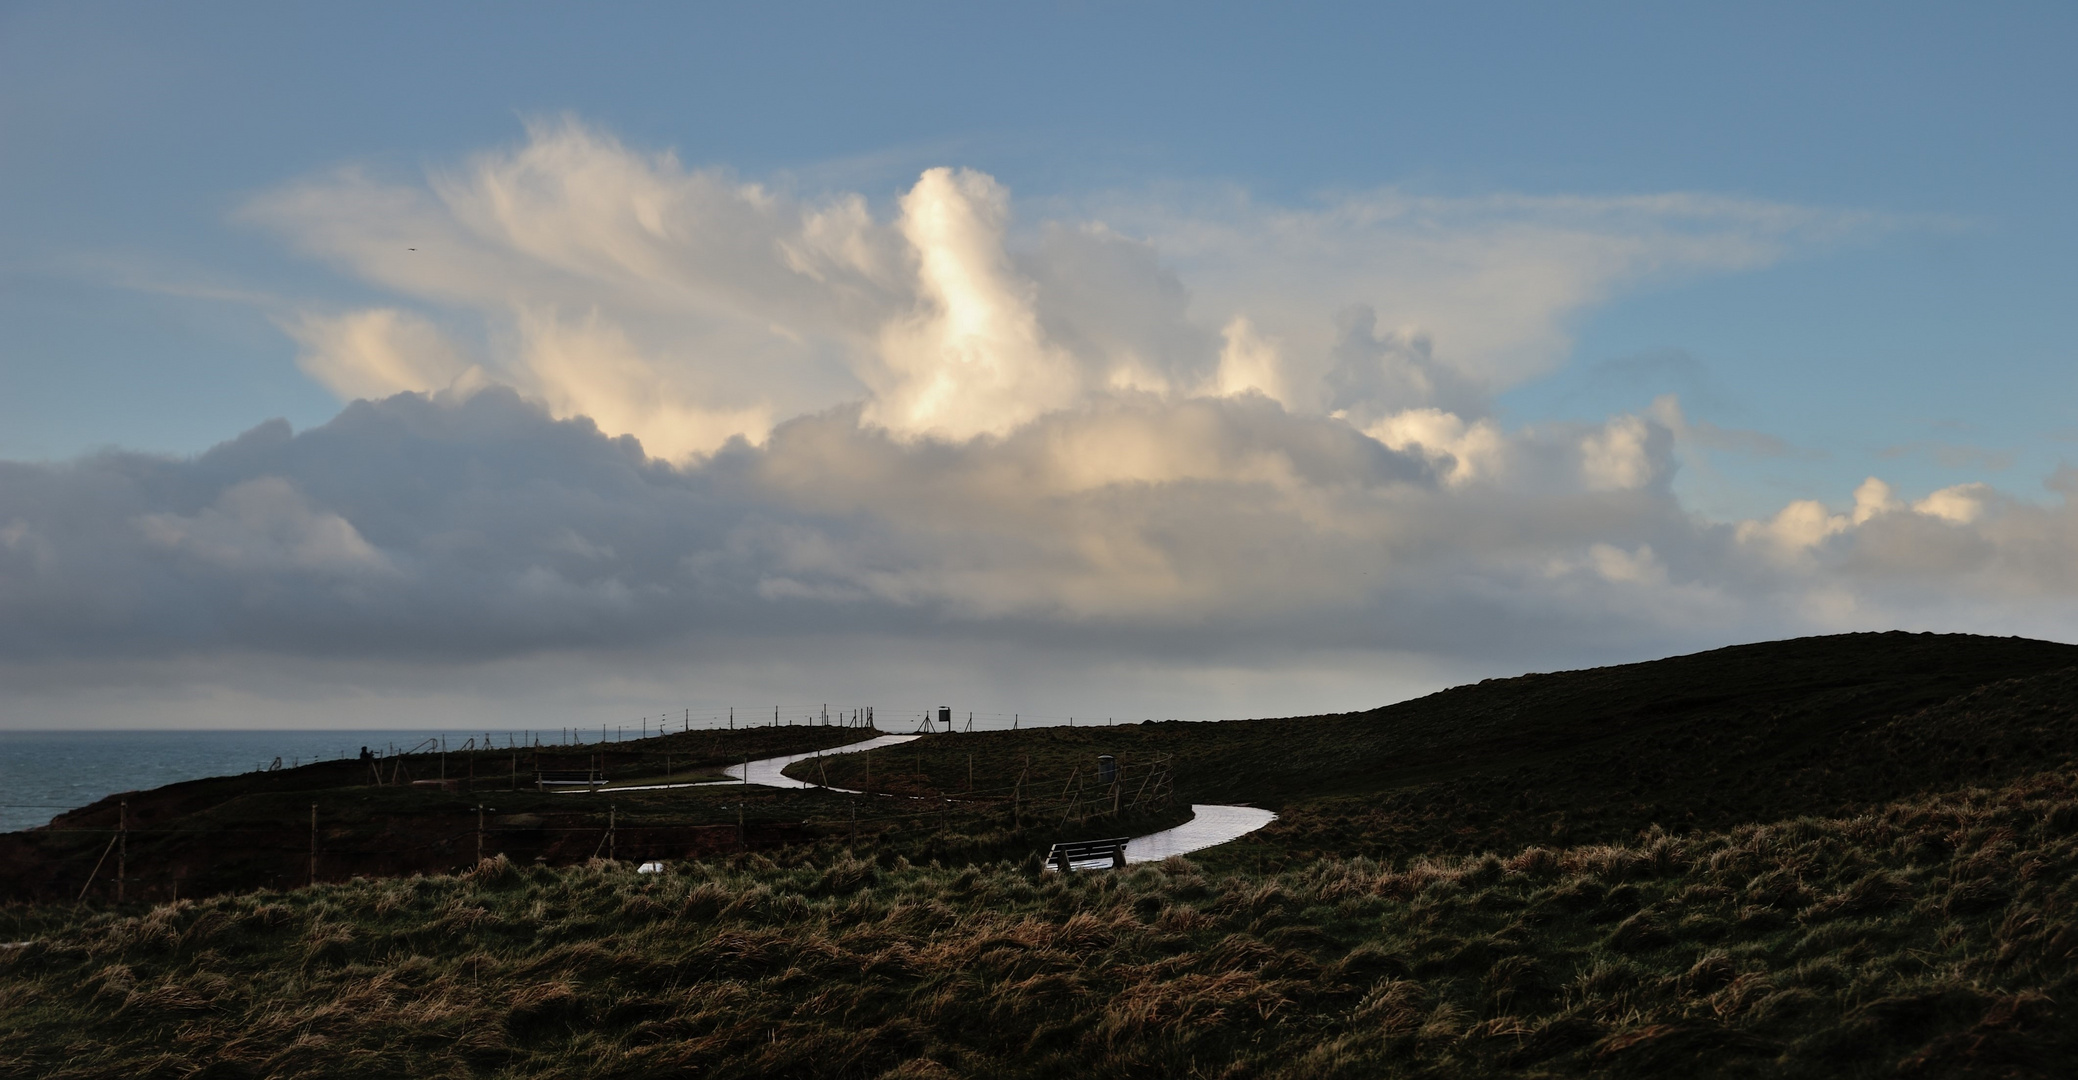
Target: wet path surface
[[1211, 824], [768, 771]]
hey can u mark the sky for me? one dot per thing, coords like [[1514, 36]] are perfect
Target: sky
[[524, 365]]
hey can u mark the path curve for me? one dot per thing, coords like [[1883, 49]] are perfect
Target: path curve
[[770, 771], [1210, 825]]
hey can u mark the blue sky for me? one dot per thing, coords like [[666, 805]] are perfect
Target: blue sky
[[1885, 290]]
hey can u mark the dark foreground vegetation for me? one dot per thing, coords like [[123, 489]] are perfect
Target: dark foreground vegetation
[[1839, 857]]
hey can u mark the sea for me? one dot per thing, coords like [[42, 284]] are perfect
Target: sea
[[45, 773]]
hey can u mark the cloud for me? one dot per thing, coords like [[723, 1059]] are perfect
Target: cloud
[[623, 413], [971, 359], [265, 526], [470, 528], [376, 352], [687, 306], [450, 531]]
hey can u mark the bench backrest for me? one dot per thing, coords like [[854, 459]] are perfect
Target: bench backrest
[[1066, 853]]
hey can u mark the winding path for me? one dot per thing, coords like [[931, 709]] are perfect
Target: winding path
[[1210, 824], [771, 771]]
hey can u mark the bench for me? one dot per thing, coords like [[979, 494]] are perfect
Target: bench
[[1065, 855], [545, 778]]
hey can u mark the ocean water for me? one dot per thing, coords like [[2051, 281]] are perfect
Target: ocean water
[[45, 773]]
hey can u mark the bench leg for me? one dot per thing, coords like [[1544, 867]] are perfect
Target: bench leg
[[1118, 857], [1060, 859]]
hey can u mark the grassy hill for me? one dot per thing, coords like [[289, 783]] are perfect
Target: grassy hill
[[1851, 856], [1713, 740], [1929, 938]]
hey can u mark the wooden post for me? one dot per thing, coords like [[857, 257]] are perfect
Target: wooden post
[[479, 834], [855, 820], [742, 839], [122, 849], [611, 850], [91, 874], [1143, 785], [313, 843], [970, 772], [515, 770]]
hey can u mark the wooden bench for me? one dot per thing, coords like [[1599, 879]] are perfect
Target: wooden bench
[[1065, 855]]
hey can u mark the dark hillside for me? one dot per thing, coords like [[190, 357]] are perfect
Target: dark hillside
[[1749, 733], [254, 830], [1711, 741], [1850, 856]]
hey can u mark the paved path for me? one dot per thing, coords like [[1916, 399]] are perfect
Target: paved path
[[769, 771], [1209, 826]]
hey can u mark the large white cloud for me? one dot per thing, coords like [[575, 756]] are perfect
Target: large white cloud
[[620, 408], [685, 306]]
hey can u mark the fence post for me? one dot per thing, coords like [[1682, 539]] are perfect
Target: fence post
[[479, 834], [612, 851], [95, 872], [313, 843], [122, 849]]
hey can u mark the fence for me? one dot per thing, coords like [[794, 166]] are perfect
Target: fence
[[160, 863]]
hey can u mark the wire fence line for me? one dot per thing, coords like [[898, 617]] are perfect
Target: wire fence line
[[450, 838]]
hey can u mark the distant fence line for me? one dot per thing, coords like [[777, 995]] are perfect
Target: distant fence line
[[438, 842], [723, 719]]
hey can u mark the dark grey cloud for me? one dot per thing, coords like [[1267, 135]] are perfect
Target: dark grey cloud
[[463, 548]]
